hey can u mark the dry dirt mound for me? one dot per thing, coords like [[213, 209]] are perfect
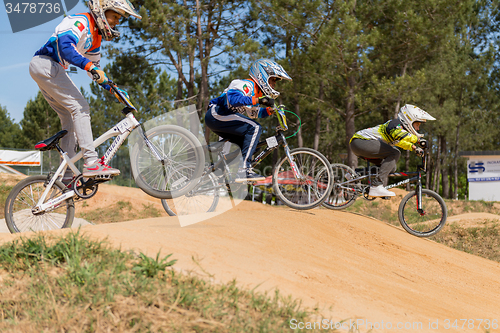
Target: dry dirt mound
[[106, 197], [347, 265]]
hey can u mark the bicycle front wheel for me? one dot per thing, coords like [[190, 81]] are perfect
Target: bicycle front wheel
[[312, 189], [427, 221], [342, 195], [183, 162], [25, 195], [202, 199]]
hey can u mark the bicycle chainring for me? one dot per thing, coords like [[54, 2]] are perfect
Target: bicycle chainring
[[85, 189], [366, 191]]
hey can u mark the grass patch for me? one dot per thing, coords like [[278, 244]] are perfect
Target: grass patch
[[378, 208], [118, 212], [74, 284], [483, 240]]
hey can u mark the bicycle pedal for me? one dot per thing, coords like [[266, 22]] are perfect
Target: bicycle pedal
[[103, 177]]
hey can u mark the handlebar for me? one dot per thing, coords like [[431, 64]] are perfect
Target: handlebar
[[423, 166]]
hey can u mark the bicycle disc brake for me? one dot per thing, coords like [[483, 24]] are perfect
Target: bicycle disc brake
[[85, 189]]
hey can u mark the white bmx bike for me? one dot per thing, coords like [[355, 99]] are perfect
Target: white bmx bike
[[165, 161]]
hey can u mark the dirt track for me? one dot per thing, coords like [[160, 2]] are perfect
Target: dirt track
[[348, 265]]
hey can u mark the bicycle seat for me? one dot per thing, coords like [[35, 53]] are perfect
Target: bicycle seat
[[374, 161], [216, 147], [51, 142]]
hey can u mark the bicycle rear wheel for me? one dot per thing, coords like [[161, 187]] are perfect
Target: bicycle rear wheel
[[183, 156], [202, 199], [342, 196], [25, 195], [313, 189], [427, 222]]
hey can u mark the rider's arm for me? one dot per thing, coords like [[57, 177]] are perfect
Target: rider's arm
[[236, 98], [408, 142], [265, 112], [67, 47], [95, 58]]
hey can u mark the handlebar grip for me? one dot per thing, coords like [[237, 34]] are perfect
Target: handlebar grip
[[95, 75]]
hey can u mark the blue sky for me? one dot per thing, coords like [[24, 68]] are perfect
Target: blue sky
[[16, 85]]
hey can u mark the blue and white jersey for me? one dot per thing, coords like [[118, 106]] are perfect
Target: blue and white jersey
[[76, 41], [241, 97]]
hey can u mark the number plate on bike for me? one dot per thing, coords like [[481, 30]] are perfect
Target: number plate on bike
[[272, 142], [123, 125]]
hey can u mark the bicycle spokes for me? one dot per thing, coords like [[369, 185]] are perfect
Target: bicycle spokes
[[422, 215]]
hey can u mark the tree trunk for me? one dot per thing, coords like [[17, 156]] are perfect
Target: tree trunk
[[203, 55], [350, 128], [398, 102], [317, 130], [300, 139], [445, 179], [455, 164]]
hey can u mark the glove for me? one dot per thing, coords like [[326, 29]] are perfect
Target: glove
[[419, 151], [98, 75], [269, 110], [118, 96], [266, 101], [422, 143]]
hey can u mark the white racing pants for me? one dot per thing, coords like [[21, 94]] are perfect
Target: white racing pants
[[67, 100]]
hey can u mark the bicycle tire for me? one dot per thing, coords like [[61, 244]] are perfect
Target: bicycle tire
[[343, 196], [199, 201], [184, 157], [303, 194], [427, 223], [25, 195]]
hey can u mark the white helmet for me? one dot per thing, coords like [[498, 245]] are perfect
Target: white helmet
[[409, 114], [98, 9], [262, 70]]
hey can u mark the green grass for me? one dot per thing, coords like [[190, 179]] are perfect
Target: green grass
[[483, 240], [379, 209], [74, 284]]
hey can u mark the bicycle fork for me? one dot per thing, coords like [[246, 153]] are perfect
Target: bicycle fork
[[418, 191], [296, 171]]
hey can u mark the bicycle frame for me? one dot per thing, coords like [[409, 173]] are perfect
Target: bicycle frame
[[414, 176], [270, 144], [120, 131], [276, 141]]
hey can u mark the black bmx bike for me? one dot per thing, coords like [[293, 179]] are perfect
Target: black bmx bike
[[422, 212], [302, 179]]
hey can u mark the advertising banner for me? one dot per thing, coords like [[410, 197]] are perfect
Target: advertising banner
[[13, 157], [484, 170]]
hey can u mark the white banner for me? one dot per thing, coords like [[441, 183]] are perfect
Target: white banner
[[484, 170], [13, 157]]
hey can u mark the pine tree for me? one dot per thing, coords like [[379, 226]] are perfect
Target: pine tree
[[10, 132], [39, 121]]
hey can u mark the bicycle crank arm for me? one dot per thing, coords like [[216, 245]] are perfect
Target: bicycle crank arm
[[52, 204]]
